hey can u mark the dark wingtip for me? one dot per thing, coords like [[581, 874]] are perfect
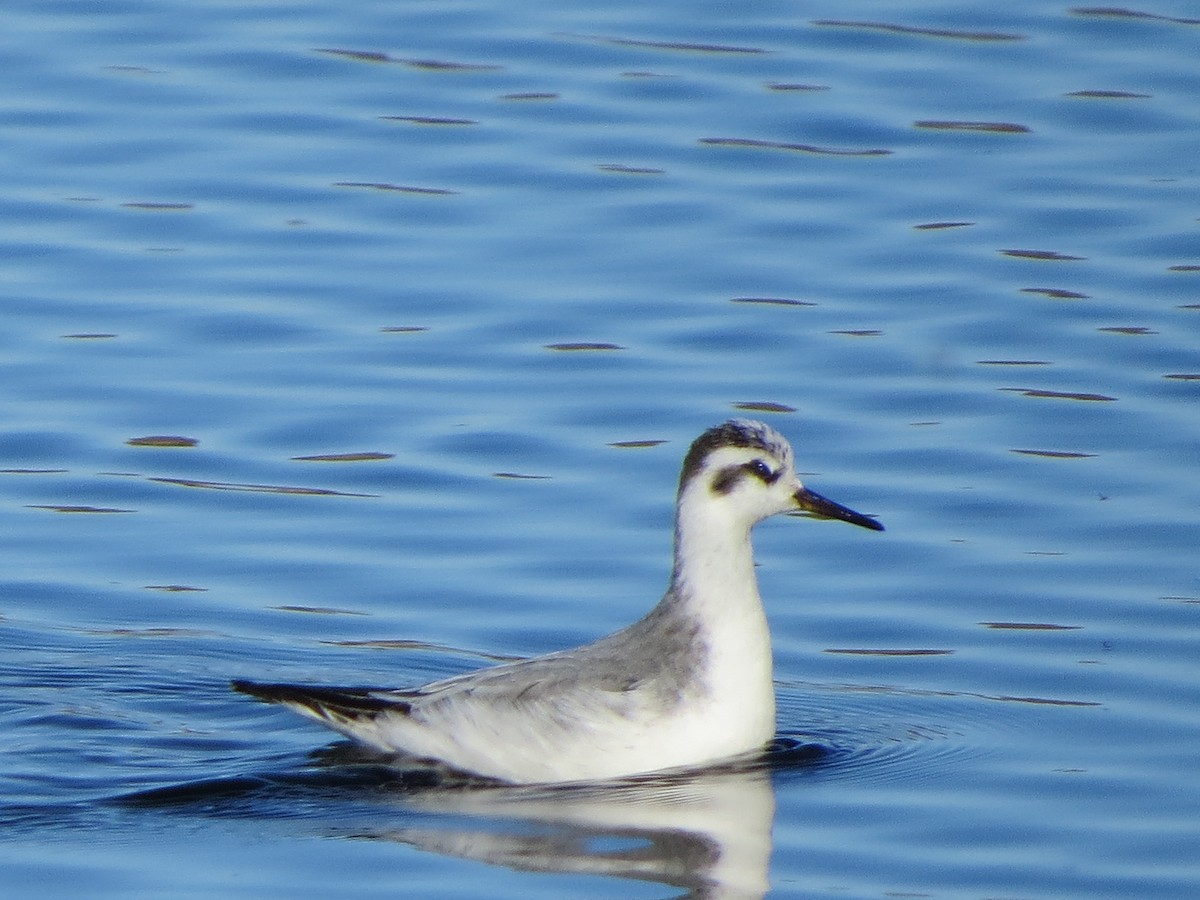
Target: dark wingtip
[[244, 687], [274, 693], [356, 700]]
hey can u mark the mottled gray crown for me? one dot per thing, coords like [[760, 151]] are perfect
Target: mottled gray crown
[[742, 433]]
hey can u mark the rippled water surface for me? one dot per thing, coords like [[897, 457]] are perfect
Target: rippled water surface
[[362, 342]]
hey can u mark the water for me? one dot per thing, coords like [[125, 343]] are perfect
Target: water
[[465, 250]]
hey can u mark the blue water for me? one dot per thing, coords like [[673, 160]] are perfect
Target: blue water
[[953, 252]]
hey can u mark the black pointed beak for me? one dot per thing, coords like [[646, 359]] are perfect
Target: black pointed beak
[[813, 503]]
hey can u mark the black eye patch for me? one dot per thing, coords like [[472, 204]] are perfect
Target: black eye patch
[[727, 478]]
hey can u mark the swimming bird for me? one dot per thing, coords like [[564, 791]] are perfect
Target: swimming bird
[[687, 685]]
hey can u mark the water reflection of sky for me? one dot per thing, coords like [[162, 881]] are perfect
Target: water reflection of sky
[[363, 344]]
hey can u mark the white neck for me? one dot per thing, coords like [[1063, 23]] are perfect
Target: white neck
[[714, 581], [714, 561]]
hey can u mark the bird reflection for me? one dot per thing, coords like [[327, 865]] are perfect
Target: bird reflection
[[707, 832]]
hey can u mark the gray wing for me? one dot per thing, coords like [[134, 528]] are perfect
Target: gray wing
[[526, 682]]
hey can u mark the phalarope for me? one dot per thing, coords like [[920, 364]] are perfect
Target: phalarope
[[688, 684]]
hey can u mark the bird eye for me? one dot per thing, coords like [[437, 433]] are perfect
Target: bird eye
[[761, 471]]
